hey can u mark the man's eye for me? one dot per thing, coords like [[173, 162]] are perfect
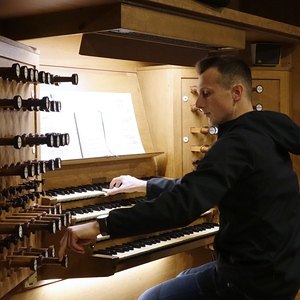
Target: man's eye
[[205, 94]]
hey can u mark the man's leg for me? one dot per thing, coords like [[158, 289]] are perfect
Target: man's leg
[[193, 284]]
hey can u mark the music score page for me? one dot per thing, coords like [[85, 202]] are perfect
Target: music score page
[[99, 125]]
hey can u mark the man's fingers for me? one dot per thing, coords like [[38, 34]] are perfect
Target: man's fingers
[[72, 243], [116, 182], [68, 241]]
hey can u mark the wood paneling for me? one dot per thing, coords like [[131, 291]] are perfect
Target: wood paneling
[[168, 109], [276, 93]]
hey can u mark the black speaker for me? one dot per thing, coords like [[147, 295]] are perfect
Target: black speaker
[[215, 3], [265, 54]]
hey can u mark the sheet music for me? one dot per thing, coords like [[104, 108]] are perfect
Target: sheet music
[[99, 124], [120, 127], [91, 137]]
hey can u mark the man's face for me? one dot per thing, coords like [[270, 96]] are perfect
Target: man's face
[[216, 102]]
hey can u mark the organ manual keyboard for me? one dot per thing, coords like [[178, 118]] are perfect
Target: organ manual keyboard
[[85, 192], [159, 242], [85, 202], [76, 193], [91, 212], [101, 261]]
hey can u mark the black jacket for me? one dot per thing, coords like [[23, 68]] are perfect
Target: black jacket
[[248, 174]]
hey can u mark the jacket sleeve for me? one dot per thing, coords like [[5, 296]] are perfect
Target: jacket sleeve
[[155, 186], [198, 191]]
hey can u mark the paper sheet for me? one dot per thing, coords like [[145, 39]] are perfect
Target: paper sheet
[[99, 124]]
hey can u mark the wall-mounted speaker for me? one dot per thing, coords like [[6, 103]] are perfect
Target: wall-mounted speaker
[[214, 3], [265, 54]]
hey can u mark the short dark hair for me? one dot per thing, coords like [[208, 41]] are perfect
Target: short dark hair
[[232, 68]]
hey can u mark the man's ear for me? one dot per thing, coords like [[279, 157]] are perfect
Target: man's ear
[[237, 91]]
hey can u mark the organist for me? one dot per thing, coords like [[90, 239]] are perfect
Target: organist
[[248, 174]]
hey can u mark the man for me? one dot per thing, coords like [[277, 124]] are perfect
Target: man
[[248, 174]]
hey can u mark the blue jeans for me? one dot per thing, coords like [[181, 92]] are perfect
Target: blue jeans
[[201, 283]]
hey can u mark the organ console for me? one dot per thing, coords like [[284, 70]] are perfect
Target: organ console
[[33, 75], [53, 164], [42, 77], [23, 218], [85, 203], [202, 149], [58, 79], [17, 202], [53, 261], [32, 261], [23, 74], [35, 213], [47, 139], [48, 77], [36, 166], [20, 262], [64, 139], [194, 90], [194, 108], [21, 170], [46, 252], [258, 107], [15, 141], [12, 72], [15, 103], [31, 104], [39, 104], [258, 89], [55, 106], [205, 130], [12, 228]]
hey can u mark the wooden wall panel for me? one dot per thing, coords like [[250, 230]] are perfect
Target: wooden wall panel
[[170, 117]]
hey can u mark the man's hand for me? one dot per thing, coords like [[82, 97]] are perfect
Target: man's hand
[[76, 237], [126, 184]]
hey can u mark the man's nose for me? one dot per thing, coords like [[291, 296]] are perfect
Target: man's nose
[[199, 102]]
